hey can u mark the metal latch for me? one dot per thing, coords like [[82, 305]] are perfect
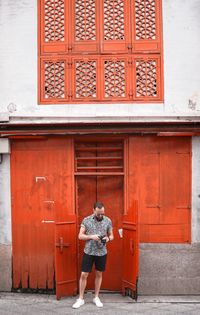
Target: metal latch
[[61, 244]]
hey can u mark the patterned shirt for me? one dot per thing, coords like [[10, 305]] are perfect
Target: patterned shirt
[[92, 226]]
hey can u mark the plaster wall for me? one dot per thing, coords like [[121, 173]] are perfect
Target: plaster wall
[[18, 66], [5, 225], [195, 190]]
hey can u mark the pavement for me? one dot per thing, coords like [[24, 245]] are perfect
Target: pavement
[[114, 304]]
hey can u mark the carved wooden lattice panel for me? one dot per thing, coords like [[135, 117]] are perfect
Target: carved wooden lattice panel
[[145, 19], [53, 26], [114, 79], [114, 20], [54, 80], [147, 25], [84, 27], [54, 12], [91, 50], [85, 11], [115, 26], [86, 79], [147, 78]]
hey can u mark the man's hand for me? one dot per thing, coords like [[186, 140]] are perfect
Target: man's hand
[[95, 237], [106, 238]]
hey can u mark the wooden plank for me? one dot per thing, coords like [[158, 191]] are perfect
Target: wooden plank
[[99, 158], [98, 167], [77, 149], [99, 173]]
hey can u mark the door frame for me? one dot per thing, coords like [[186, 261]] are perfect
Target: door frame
[[100, 138]]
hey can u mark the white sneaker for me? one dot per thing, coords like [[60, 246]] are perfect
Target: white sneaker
[[79, 302], [98, 302]]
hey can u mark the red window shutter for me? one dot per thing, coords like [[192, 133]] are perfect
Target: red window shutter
[[85, 78], [84, 25], [101, 30], [147, 78], [54, 80], [146, 25], [115, 26], [53, 17], [116, 78]]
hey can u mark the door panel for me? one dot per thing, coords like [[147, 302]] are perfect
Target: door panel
[[65, 257], [41, 179], [110, 191], [130, 251], [33, 241], [85, 199], [160, 177]]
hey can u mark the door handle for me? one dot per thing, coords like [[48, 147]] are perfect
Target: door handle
[[132, 246], [61, 244], [48, 221]]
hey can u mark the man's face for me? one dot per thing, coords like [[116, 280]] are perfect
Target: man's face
[[99, 213]]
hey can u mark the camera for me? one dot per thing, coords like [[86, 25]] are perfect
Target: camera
[[101, 239]]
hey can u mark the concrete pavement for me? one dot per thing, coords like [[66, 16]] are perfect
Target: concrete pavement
[[114, 304]]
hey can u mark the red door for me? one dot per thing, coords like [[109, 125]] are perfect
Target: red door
[[42, 194], [65, 257], [130, 251], [109, 190]]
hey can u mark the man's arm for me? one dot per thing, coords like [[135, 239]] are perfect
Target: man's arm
[[84, 237], [110, 236]]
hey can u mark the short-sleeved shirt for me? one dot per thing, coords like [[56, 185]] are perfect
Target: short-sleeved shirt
[[92, 226]]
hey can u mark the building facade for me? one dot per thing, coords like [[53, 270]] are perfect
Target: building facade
[[100, 102]]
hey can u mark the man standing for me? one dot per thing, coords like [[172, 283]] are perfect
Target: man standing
[[96, 230]]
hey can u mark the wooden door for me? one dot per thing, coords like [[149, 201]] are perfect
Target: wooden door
[[110, 191], [130, 251], [65, 257], [42, 193], [160, 177]]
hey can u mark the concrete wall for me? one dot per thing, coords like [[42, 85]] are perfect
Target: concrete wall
[[18, 64], [5, 225], [169, 269]]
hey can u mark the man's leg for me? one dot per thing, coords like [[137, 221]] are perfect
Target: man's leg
[[98, 280], [100, 265], [82, 283], [86, 267]]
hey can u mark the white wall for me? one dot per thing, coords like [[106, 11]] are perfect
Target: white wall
[[18, 65], [195, 190], [5, 225], [5, 203]]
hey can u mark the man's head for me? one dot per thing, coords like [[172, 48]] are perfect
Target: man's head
[[99, 210]]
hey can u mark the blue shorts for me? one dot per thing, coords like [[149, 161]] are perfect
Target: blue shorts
[[88, 260]]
